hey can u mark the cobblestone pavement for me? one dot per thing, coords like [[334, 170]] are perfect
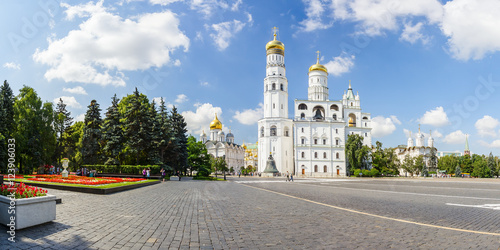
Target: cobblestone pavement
[[273, 214]]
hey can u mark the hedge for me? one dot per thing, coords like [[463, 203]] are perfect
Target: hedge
[[126, 169]]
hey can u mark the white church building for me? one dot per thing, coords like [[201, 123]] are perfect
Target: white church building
[[313, 142], [416, 148]]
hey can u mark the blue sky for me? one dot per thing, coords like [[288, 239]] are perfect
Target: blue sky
[[427, 62]]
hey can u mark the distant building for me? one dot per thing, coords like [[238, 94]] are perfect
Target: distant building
[[220, 145], [416, 149], [445, 153], [466, 151], [251, 155]]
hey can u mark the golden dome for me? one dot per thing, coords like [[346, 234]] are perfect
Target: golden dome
[[215, 124], [318, 66], [275, 44]]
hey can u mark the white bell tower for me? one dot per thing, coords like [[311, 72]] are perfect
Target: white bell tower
[[275, 129]]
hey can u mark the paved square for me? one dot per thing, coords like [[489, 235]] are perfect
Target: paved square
[[257, 213]]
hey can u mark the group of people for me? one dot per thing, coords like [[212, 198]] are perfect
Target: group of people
[[289, 177], [146, 173]]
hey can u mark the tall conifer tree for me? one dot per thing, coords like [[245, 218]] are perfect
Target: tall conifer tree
[[92, 136], [113, 134]]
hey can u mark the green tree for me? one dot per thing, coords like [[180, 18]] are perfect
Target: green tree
[[73, 143], [357, 153], [379, 161], [198, 157], [466, 164], [112, 133], [179, 130], [62, 121], [166, 142], [492, 165], [419, 165], [137, 126], [218, 164], [92, 135], [35, 136], [6, 122], [458, 171], [481, 169], [448, 163], [433, 160], [155, 140], [408, 164]]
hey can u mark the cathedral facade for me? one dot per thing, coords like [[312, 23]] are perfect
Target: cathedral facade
[[220, 145], [415, 149], [313, 142]]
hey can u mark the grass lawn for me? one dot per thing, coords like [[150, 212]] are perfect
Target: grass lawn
[[209, 178], [104, 186]]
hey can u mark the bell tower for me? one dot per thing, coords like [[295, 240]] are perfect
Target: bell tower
[[275, 128]]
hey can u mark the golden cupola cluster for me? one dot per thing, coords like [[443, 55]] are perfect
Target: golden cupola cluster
[[215, 124], [318, 66]]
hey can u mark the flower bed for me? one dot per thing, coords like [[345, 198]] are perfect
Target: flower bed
[[72, 179], [21, 191]]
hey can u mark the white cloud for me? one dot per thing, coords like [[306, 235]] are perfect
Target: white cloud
[[413, 33], [112, 45], [76, 90], [406, 132], [472, 28], [250, 116], [80, 118], [340, 64], [314, 12], [376, 16], [70, 101], [236, 5], [208, 7], [177, 63], [200, 119], [437, 134], [12, 65], [486, 126], [395, 120], [457, 137], [436, 117], [157, 100], [204, 83], [494, 144], [382, 126], [163, 2], [224, 32], [181, 98]]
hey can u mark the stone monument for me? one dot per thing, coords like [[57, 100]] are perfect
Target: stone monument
[[65, 162], [271, 169]]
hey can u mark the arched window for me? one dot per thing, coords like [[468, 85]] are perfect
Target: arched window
[[336, 130], [262, 131], [336, 142], [324, 168], [303, 141], [318, 113], [274, 87], [302, 106], [302, 116], [334, 107], [273, 130], [302, 130], [286, 132], [334, 116], [315, 154], [315, 141], [281, 87], [315, 168], [324, 141], [324, 155], [337, 155], [351, 104], [303, 155]]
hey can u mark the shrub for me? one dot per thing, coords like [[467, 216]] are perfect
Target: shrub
[[374, 172], [203, 172], [356, 172], [366, 173]]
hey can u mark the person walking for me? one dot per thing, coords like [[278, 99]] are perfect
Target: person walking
[[287, 176], [291, 177], [144, 173], [179, 175], [148, 172], [162, 172]]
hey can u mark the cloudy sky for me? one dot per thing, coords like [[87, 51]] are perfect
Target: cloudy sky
[[429, 62]]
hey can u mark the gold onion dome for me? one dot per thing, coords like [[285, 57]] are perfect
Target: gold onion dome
[[215, 124], [275, 44], [318, 66], [244, 146]]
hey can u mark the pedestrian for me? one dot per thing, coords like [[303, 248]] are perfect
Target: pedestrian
[[239, 174], [287, 176], [179, 175], [291, 177], [148, 172], [162, 172], [144, 173]]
